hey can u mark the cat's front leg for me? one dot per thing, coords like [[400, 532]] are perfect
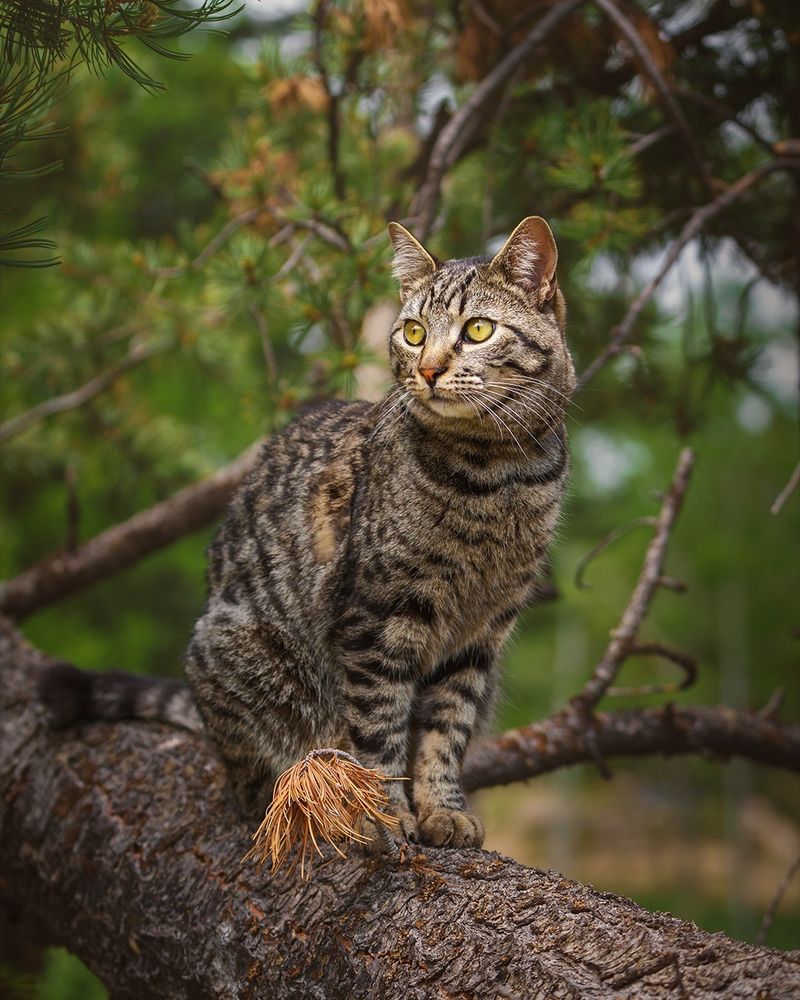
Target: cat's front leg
[[449, 710], [378, 695]]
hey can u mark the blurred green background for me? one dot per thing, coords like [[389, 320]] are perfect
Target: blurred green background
[[148, 180]]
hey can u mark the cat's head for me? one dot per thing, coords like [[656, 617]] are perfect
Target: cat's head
[[482, 339]]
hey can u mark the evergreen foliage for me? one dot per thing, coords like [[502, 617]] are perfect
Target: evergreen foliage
[[229, 236]]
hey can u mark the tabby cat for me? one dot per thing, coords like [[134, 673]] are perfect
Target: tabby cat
[[374, 563]]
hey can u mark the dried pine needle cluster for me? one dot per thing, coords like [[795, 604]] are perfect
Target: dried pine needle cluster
[[325, 797]]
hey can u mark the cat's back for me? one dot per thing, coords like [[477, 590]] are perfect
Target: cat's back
[[286, 523]]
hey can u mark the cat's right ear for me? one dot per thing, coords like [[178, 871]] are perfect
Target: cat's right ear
[[412, 262]]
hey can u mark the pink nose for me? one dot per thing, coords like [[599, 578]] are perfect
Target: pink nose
[[431, 374]]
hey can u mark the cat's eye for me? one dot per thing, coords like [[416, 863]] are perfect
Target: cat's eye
[[414, 332], [479, 330]]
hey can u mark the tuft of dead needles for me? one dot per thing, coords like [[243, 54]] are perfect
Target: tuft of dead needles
[[325, 797]]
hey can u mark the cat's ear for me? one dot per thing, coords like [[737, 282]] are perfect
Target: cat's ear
[[412, 262], [528, 258]]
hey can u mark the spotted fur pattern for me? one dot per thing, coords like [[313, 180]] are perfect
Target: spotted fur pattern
[[371, 568]]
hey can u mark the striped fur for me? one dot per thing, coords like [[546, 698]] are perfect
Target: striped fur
[[371, 568]]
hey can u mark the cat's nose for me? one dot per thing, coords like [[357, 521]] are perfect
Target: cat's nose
[[431, 374]]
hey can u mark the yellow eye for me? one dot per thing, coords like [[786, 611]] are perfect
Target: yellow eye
[[414, 332], [479, 330]]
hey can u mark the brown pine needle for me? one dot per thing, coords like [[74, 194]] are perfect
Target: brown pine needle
[[325, 797]]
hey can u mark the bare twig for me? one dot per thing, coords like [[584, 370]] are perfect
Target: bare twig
[[125, 544], [787, 491], [685, 661], [695, 224], [327, 232], [646, 141], [772, 909], [603, 544], [723, 113], [77, 397], [624, 636], [461, 129]]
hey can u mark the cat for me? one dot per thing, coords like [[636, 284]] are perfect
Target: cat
[[372, 566]]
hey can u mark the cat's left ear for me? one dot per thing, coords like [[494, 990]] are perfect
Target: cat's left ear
[[412, 262], [528, 258]]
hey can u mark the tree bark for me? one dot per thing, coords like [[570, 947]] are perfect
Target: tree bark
[[120, 842]]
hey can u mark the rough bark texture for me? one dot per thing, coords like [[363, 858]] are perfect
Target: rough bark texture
[[120, 843]]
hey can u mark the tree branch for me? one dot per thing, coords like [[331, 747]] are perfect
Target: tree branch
[[696, 223], [625, 634], [77, 397], [137, 818], [461, 128], [121, 546], [566, 739], [671, 106]]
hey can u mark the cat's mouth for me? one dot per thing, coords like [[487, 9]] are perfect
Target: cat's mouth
[[446, 406]]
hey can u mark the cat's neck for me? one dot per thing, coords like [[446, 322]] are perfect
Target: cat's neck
[[477, 451]]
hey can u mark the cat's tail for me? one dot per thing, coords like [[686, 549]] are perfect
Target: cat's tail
[[70, 695]]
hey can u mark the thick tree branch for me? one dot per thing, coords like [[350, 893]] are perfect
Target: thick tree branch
[[62, 574], [137, 818]]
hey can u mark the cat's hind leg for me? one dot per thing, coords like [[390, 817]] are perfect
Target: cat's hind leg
[[262, 699]]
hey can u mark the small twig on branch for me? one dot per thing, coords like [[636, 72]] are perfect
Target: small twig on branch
[[787, 491], [772, 909], [698, 220], [460, 130], [685, 661], [586, 560], [77, 397], [266, 347], [125, 544], [216, 243], [624, 636]]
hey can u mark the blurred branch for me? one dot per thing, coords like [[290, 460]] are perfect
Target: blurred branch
[[319, 18], [724, 113], [695, 224], [685, 661], [586, 560], [624, 635], [787, 491], [59, 575], [459, 131], [671, 106], [772, 909], [77, 397], [216, 243], [566, 739]]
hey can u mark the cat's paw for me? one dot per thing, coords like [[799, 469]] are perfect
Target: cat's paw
[[450, 828], [405, 833]]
